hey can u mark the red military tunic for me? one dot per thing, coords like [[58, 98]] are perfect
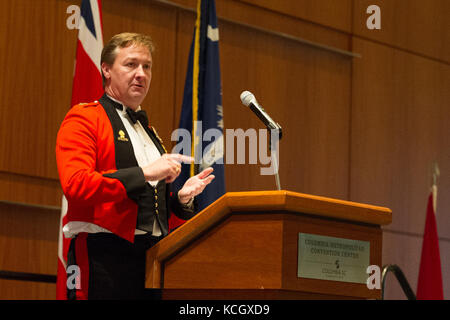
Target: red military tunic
[[99, 174]]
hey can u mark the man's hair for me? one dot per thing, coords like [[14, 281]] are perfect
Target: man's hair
[[123, 40]]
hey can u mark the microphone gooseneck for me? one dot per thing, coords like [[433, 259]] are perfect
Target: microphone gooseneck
[[249, 100]]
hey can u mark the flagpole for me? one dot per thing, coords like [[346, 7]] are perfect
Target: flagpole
[[436, 174]]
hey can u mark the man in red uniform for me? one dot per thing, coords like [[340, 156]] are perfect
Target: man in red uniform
[[116, 176]]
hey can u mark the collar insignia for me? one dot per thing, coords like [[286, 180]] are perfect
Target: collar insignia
[[159, 139], [122, 136]]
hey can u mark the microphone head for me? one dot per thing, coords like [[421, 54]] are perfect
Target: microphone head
[[247, 97]]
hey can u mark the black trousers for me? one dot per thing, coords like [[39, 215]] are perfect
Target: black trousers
[[108, 266]]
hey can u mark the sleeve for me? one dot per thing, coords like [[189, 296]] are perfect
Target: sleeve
[[76, 156], [182, 211]]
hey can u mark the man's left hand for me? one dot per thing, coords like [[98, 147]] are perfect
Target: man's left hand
[[195, 185]]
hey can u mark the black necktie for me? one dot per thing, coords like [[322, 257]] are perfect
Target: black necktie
[[140, 115]]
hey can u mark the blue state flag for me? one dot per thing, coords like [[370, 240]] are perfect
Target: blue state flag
[[201, 121]]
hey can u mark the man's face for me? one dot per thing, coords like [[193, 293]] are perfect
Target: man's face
[[128, 79]]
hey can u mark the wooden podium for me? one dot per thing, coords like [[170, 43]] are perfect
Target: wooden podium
[[246, 246]]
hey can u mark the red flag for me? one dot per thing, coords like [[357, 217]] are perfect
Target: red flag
[[87, 87], [429, 286]]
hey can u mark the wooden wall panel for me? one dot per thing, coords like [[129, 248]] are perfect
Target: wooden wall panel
[[331, 13], [37, 57], [30, 190], [400, 125], [304, 89], [28, 239], [268, 17], [185, 33], [414, 25], [26, 290], [28, 243]]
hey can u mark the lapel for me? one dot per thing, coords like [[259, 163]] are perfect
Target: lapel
[[124, 151]]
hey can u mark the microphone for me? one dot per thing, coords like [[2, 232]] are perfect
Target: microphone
[[249, 100]]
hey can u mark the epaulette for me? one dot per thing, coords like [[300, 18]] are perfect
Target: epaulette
[[90, 104]]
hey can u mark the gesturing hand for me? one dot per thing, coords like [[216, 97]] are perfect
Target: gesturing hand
[[167, 167], [195, 185]]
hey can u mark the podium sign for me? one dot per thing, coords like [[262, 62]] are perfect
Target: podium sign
[[331, 258]]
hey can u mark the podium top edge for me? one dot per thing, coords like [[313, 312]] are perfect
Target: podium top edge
[[306, 203], [293, 194]]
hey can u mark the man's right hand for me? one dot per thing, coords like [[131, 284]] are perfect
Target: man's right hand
[[168, 167]]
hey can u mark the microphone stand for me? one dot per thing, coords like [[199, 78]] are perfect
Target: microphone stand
[[273, 155]]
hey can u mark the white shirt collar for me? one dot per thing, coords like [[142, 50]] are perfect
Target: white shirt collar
[[123, 106]]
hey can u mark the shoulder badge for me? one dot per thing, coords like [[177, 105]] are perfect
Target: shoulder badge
[[90, 104]]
